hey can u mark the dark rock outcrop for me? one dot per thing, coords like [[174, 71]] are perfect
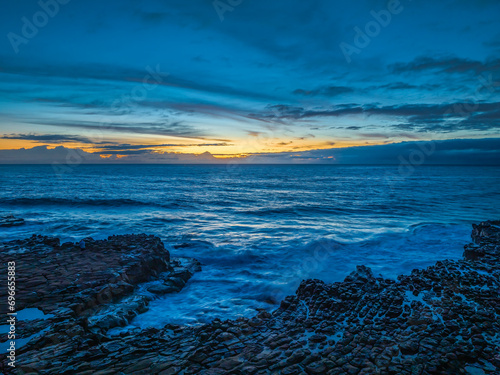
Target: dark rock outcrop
[[73, 279], [86, 288], [440, 320]]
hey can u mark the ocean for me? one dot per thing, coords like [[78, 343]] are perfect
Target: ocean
[[258, 230]]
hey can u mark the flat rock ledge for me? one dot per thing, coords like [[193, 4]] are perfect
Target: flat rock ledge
[[440, 320]]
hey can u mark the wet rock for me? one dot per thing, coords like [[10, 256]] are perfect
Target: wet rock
[[176, 282], [317, 338], [225, 336], [362, 275], [316, 368], [438, 320], [297, 356], [161, 289]]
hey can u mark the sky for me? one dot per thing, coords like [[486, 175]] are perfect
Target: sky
[[282, 81]]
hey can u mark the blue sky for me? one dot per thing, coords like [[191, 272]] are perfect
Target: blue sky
[[121, 78]]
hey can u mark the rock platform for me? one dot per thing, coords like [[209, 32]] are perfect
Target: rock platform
[[440, 320]]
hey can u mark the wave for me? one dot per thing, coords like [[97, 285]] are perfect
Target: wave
[[307, 210], [388, 253], [269, 211], [418, 232], [84, 202], [323, 245]]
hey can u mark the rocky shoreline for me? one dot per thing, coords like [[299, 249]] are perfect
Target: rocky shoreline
[[440, 320]]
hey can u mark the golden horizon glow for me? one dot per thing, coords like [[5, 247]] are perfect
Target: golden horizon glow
[[241, 149]]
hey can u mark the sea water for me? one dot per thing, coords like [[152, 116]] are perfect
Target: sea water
[[258, 230]]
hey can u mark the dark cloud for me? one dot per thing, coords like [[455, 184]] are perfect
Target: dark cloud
[[50, 138], [173, 129], [104, 146], [387, 135], [123, 152], [399, 86], [138, 147], [329, 91], [447, 65], [150, 75], [65, 159], [406, 155], [213, 110], [278, 112], [374, 135], [124, 105], [406, 86], [45, 155], [456, 151], [418, 117], [11, 65]]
